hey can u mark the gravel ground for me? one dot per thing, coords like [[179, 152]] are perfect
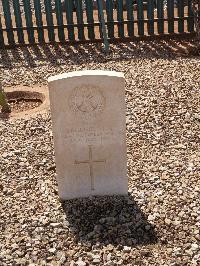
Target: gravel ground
[[159, 222]]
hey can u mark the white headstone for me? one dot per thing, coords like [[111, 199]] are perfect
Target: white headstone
[[89, 129]]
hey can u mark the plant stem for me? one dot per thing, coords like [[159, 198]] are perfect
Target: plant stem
[[3, 101]]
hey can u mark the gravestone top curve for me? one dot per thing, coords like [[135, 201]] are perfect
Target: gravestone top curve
[[85, 73]]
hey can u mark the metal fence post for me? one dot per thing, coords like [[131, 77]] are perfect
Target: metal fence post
[[103, 26]]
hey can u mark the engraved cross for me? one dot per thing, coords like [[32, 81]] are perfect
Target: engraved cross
[[91, 162]]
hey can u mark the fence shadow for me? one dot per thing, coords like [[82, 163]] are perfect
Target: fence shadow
[[114, 220], [58, 54]]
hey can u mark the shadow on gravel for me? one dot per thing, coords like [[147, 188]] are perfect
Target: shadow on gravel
[[4, 116], [58, 54], [109, 220]]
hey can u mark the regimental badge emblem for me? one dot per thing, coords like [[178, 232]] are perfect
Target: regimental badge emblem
[[87, 101]]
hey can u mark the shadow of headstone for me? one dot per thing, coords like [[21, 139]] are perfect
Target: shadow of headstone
[[4, 116], [113, 220]]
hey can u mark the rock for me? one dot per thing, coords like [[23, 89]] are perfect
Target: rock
[[194, 246], [81, 263], [98, 228], [55, 225], [145, 252], [52, 250], [96, 259], [168, 221], [126, 249]]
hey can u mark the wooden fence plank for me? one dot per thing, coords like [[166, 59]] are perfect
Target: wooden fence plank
[[18, 21], [39, 22], [115, 18], [70, 21], [79, 13], [120, 18], [170, 14], [8, 21], [180, 15], [49, 18], [140, 17], [59, 17], [110, 19], [150, 16], [99, 17], [160, 15], [190, 23], [29, 21], [90, 19], [130, 26]]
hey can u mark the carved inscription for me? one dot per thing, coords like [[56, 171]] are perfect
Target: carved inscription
[[89, 135], [91, 162], [86, 101]]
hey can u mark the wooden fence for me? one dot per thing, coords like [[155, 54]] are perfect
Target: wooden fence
[[39, 21]]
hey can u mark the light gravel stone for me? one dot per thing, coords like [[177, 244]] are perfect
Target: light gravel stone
[[163, 165]]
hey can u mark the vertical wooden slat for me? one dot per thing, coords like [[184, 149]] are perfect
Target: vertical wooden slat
[[150, 16], [160, 15], [79, 13], [49, 18], [39, 22], [99, 17], [170, 14], [110, 19], [18, 21], [69, 17], [8, 21], [190, 24], [130, 17], [90, 18], [29, 21], [1, 34], [140, 17], [59, 17], [180, 15], [120, 18]]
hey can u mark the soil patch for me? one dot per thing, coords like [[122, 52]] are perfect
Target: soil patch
[[24, 102], [24, 105]]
